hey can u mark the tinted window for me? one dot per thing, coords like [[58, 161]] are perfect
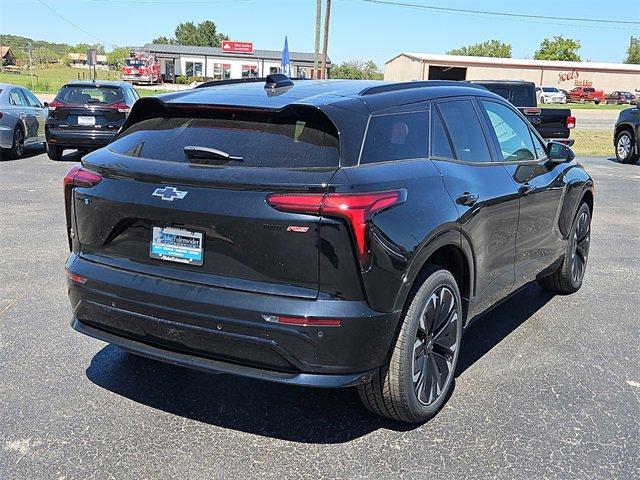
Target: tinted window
[[521, 95], [395, 137], [539, 146], [80, 95], [550, 89], [16, 98], [466, 133], [295, 137], [31, 98], [511, 131], [440, 146]]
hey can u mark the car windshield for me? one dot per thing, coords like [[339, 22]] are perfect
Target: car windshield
[[588, 90], [134, 62], [550, 89], [80, 95]]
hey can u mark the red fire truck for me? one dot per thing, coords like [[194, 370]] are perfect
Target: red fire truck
[[141, 67]]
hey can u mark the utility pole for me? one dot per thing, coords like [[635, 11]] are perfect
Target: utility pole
[[316, 59], [326, 39]]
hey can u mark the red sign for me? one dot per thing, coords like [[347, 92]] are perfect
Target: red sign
[[237, 47]]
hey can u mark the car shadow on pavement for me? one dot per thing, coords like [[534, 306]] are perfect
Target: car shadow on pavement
[[298, 414], [497, 324]]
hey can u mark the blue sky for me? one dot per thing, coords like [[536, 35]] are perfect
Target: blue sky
[[358, 30]]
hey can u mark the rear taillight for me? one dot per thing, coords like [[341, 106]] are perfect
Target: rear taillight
[[55, 104], [356, 208], [120, 107], [571, 122], [76, 177], [81, 177]]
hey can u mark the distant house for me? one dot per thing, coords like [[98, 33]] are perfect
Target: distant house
[[7, 56], [79, 60]]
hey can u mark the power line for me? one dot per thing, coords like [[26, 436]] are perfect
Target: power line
[[73, 24], [497, 14]]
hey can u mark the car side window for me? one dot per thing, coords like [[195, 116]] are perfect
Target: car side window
[[440, 145], [32, 99], [396, 136], [16, 98], [512, 133], [463, 125]]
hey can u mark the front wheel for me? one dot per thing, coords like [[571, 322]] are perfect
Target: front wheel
[[416, 382], [568, 277]]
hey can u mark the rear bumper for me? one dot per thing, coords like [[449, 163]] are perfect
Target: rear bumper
[[79, 138], [222, 330]]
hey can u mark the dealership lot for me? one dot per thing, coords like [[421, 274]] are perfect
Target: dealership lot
[[548, 387]]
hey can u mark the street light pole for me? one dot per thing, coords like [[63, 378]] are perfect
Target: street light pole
[[316, 59], [326, 39]]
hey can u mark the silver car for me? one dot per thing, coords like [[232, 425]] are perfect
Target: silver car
[[22, 119]]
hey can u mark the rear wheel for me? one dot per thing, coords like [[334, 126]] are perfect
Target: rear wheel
[[625, 151], [17, 145], [54, 152], [568, 277], [416, 382]]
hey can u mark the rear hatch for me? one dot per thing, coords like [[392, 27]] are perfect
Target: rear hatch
[[184, 193], [81, 108]]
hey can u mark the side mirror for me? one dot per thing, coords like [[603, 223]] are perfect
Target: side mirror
[[559, 152]]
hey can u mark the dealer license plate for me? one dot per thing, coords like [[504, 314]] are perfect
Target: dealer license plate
[[177, 245], [86, 121]]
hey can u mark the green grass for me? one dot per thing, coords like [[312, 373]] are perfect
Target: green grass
[[584, 106], [596, 143]]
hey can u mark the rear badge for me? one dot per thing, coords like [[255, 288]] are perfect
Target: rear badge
[[169, 193], [297, 228]]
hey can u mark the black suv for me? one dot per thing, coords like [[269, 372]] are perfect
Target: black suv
[[87, 114], [321, 233], [626, 135]]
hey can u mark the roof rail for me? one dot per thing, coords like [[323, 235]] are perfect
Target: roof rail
[[392, 87]]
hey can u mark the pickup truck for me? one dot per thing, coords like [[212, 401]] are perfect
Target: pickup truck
[[551, 123], [586, 94]]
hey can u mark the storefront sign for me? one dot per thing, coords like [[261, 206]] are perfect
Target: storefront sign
[[229, 46], [575, 76]]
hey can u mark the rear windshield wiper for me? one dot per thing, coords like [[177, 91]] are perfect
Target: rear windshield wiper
[[193, 151]]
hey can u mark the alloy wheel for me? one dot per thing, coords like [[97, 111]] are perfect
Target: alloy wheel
[[624, 146], [580, 252], [437, 341], [18, 139]]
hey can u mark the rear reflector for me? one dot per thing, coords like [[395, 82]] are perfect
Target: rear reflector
[[571, 122], [356, 208], [74, 277], [303, 321], [78, 176]]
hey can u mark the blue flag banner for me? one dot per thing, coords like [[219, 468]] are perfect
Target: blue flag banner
[[285, 63]]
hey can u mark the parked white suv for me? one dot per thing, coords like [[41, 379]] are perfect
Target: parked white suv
[[550, 95]]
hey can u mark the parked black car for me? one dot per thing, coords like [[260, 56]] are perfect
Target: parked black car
[[620, 98], [626, 136], [317, 233], [552, 123], [87, 114]]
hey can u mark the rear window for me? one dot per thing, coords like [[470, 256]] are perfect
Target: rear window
[[80, 95], [396, 136], [519, 95], [134, 62], [550, 89], [292, 138]]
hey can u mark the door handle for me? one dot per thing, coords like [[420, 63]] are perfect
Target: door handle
[[467, 199], [526, 189]]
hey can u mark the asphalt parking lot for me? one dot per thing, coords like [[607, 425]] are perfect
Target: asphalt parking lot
[[547, 387]]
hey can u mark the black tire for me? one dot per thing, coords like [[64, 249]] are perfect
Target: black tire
[[626, 151], [569, 275], [17, 146], [54, 152], [596, 101], [428, 341]]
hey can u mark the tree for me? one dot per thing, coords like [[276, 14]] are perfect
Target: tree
[[633, 52], [83, 47], [558, 48], [163, 40], [490, 48], [356, 70], [204, 34], [115, 58]]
